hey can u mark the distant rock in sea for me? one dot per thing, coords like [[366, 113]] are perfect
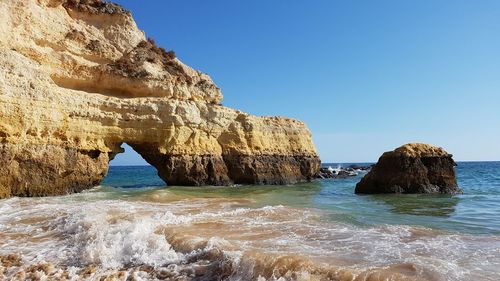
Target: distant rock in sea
[[341, 172], [412, 168]]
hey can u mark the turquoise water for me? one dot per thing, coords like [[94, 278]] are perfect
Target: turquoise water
[[135, 227], [476, 211]]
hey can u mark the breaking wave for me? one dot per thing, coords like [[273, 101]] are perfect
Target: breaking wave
[[90, 236]]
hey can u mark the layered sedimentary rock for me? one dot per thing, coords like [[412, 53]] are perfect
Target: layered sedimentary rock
[[412, 168], [78, 79]]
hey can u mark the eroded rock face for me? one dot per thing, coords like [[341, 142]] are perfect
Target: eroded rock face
[[78, 79], [412, 168]]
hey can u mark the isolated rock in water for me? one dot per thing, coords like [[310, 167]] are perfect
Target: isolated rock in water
[[78, 79], [412, 168]]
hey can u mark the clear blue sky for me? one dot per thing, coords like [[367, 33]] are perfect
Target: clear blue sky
[[366, 76]]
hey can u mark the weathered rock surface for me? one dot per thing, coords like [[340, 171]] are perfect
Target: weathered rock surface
[[412, 168], [78, 79]]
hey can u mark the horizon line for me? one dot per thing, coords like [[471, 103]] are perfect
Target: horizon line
[[323, 162]]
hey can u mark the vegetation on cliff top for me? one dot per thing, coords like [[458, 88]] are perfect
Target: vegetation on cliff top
[[95, 7]]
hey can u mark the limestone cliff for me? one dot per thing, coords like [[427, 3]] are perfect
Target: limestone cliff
[[412, 168], [78, 79]]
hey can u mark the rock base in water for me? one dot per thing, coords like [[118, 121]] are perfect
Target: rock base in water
[[412, 168]]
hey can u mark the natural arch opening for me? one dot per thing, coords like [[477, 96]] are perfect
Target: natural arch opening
[[130, 170]]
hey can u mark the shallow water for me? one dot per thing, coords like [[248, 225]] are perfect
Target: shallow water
[[134, 228]]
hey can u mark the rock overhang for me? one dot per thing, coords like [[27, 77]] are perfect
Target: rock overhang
[[79, 79]]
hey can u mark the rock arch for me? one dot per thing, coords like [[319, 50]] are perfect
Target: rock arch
[[71, 92]]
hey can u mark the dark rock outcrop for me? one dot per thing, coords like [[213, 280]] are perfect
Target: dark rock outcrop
[[49, 170], [412, 168], [228, 169], [341, 172]]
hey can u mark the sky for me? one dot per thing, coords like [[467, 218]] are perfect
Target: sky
[[366, 76]]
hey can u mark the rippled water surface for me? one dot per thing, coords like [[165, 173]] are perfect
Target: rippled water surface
[[133, 227]]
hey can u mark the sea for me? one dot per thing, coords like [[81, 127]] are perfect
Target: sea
[[134, 227]]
